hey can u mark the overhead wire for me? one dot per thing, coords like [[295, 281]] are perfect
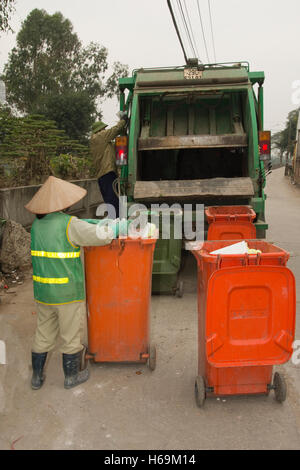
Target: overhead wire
[[191, 29], [177, 29], [212, 31], [186, 27], [203, 33], [183, 26]]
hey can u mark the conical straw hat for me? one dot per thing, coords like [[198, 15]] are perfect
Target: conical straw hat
[[55, 195]]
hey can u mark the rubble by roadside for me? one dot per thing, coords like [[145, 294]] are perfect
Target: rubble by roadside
[[9, 282], [11, 279], [15, 258], [15, 249]]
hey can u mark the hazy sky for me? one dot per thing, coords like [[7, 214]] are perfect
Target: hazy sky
[[140, 33]]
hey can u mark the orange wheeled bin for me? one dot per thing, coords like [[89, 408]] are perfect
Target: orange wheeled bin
[[118, 292], [246, 320], [230, 223]]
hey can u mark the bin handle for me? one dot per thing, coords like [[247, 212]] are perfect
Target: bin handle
[[121, 246], [283, 260], [246, 259]]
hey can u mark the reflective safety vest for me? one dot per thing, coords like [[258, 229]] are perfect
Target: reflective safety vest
[[58, 276]]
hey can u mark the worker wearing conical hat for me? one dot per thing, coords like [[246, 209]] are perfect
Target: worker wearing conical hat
[[104, 159], [58, 277]]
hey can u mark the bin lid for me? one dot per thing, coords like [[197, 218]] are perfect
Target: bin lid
[[229, 213], [250, 316]]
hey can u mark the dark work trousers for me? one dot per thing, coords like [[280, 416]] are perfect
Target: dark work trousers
[[108, 194]]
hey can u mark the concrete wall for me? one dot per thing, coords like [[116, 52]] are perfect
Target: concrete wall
[[13, 200]]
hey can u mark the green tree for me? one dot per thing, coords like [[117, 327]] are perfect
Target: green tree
[[49, 63], [7, 7], [30, 143], [112, 83], [284, 140], [73, 112], [40, 64], [5, 118]]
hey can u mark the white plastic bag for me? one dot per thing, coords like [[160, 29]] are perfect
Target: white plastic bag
[[149, 231], [240, 248]]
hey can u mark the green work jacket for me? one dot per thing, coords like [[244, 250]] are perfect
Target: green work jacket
[[58, 276]]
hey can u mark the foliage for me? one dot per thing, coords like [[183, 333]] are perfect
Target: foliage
[[5, 119], [41, 61], [112, 84], [284, 140], [6, 10], [27, 146], [49, 69], [67, 166], [73, 112]]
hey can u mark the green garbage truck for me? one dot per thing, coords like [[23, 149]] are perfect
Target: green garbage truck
[[196, 135]]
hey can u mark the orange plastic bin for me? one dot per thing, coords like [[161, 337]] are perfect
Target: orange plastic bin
[[118, 292], [230, 223], [246, 320]]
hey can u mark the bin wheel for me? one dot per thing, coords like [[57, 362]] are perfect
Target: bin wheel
[[152, 357], [179, 289], [279, 386], [200, 393], [83, 360]]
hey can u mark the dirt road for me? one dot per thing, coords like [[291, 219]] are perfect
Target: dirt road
[[129, 407]]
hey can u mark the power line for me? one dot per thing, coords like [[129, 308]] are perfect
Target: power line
[[212, 31], [186, 28], [192, 33], [203, 33], [182, 18], [180, 24], [184, 23], [177, 30]]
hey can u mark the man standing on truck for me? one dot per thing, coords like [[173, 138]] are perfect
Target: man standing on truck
[[58, 277], [104, 159]]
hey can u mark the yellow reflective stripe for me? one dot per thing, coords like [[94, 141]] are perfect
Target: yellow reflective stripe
[[53, 254], [63, 303], [51, 280]]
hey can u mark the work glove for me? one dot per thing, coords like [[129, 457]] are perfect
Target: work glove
[[123, 227], [118, 227], [91, 221]]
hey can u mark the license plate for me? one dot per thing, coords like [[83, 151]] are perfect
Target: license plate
[[192, 74]]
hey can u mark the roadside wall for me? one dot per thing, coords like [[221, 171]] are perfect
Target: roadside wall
[[13, 200]]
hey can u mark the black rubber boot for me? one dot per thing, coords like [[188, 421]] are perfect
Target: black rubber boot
[[38, 362], [73, 375]]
